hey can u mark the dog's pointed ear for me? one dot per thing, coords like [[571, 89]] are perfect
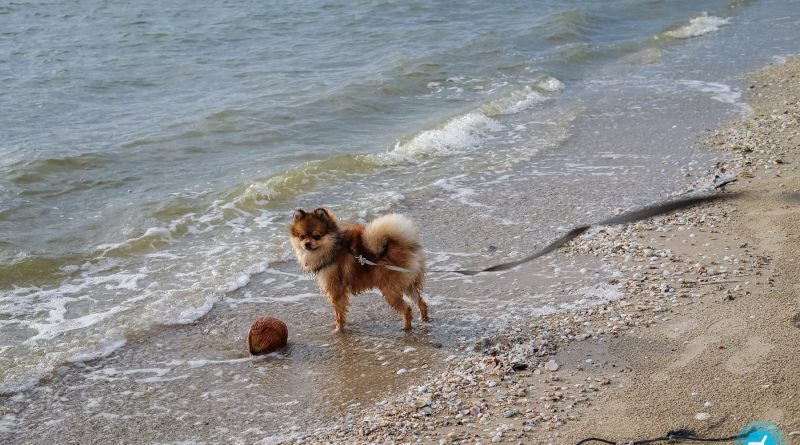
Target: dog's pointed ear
[[299, 214], [322, 214]]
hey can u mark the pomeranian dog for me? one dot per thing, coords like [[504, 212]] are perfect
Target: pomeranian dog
[[347, 259]]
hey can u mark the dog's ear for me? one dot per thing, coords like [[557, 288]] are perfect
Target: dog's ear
[[299, 214], [322, 214]]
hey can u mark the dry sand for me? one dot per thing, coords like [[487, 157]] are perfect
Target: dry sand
[[741, 355], [705, 337]]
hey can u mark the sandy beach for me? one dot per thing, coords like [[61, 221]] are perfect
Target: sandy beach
[[705, 337]]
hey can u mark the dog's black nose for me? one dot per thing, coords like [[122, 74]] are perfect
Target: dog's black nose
[[307, 245]]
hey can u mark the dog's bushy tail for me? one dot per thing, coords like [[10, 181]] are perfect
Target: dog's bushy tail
[[388, 229], [393, 238]]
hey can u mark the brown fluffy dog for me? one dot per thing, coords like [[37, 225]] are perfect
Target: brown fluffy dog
[[329, 250]]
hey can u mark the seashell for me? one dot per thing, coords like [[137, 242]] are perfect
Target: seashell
[[267, 334]]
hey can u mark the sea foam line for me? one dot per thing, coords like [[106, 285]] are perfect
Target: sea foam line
[[698, 26]]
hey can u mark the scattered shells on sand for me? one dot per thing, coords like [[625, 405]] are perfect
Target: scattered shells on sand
[[508, 376], [702, 416]]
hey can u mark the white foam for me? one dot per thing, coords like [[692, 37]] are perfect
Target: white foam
[[242, 279], [105, 350], [550, 84], [457, 135], [698, 26], [513, 103], [720, 92], [8, 422], [191, 314], [378, 204], [460, 193], [199, 363], [293, 298], [152, 233], [530, 99], [598, 294]]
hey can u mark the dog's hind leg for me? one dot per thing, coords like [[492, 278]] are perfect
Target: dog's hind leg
[[395, 300], [415, 293]]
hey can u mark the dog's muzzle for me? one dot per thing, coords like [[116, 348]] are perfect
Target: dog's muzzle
[[307, 246]]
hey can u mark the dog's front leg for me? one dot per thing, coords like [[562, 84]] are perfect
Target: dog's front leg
[[340, 303]]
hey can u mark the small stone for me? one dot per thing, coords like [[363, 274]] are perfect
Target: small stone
[[708, 404], [702, 416], [422, 401], [511, 413], [402, 371], [551, 366]]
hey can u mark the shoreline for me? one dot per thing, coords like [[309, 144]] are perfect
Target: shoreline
[[529, 382], [699, 282]]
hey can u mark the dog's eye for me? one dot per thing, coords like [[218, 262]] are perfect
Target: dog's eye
[[316, 237]]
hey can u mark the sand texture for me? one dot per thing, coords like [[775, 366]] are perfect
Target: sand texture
[[705, 337]]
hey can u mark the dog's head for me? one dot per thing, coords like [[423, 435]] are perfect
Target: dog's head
[[313, 236]]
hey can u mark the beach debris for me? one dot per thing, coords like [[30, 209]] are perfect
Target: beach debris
[[702, 416], [267, 334]]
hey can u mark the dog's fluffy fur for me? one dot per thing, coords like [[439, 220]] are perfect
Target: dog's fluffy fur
[[328, 249]]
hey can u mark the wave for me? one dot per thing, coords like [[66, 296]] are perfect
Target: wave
[[468, 131], [37, 170], [698, 26], [571, 25], [455, 136]]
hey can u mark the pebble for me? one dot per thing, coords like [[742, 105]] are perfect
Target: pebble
[[702, 416], [551, 366], [402, 371]]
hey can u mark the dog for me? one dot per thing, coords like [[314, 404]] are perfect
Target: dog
[[335, 254]]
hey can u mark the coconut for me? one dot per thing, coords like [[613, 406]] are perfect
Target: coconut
[[267, 334]]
